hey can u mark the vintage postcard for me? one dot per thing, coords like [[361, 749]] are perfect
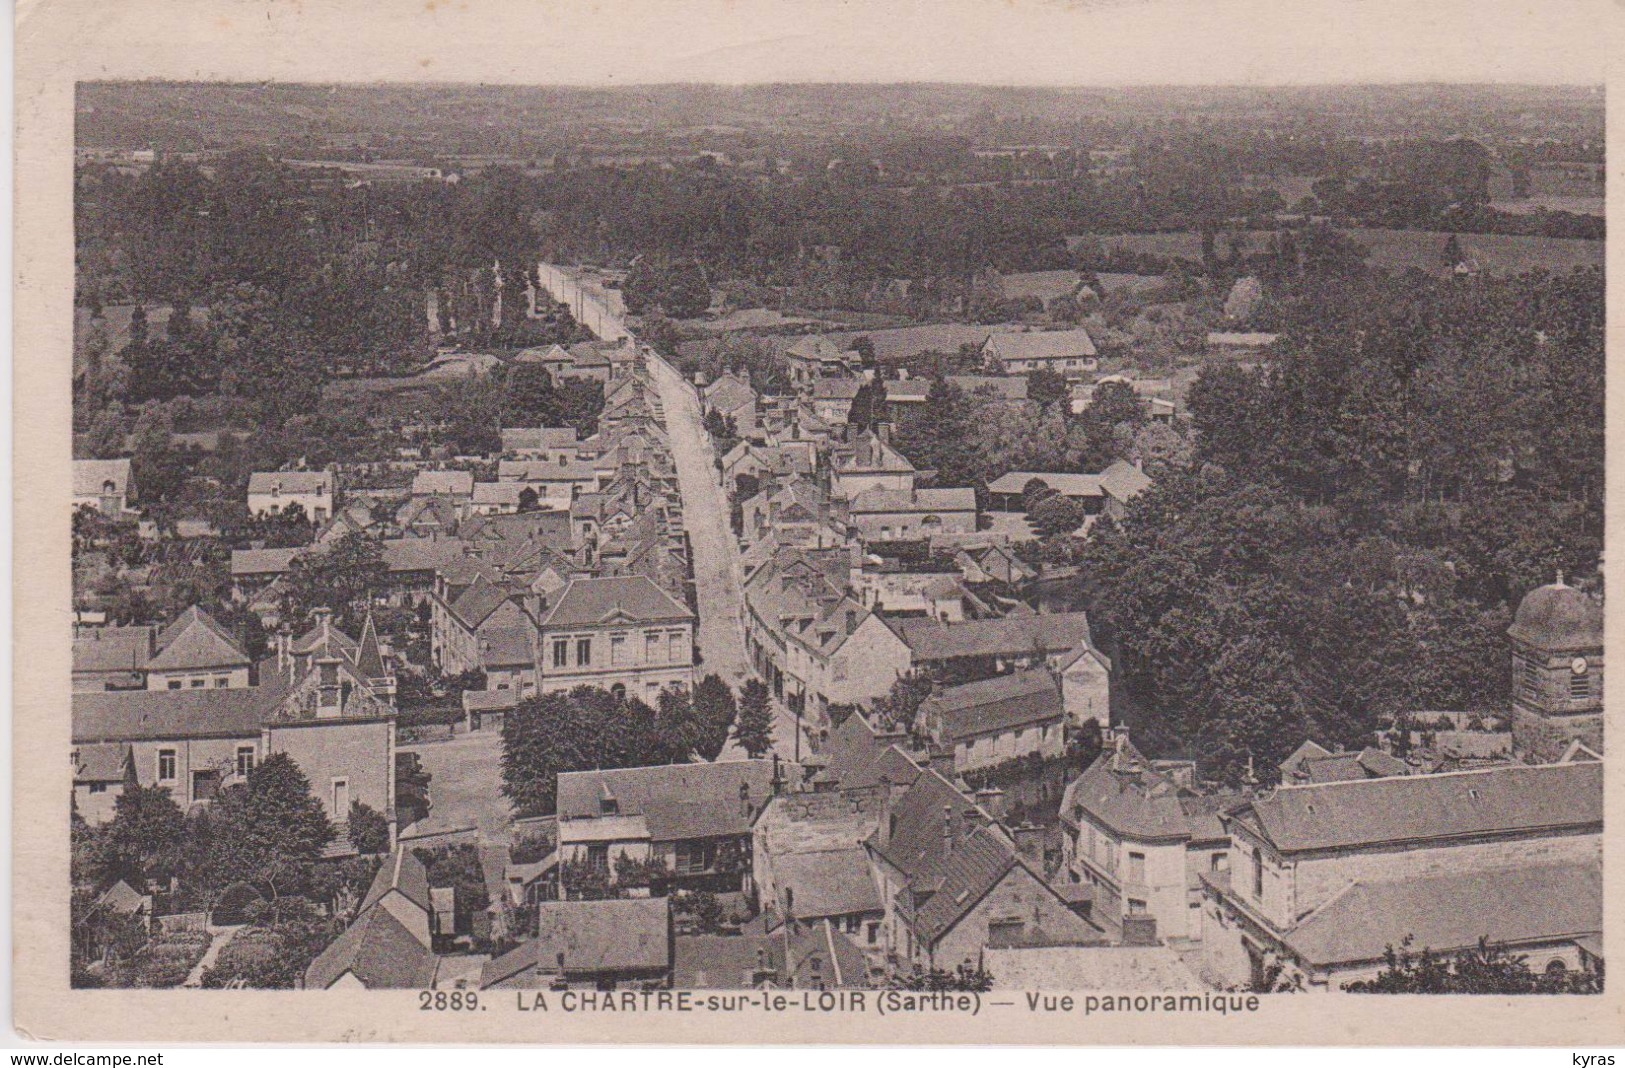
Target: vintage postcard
[[749, 521]]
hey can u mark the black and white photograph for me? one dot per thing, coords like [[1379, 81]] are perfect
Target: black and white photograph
[[893, 509]]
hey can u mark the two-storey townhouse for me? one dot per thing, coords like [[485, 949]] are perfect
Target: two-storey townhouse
[[274, 492], [1141, 840], [623, 634]]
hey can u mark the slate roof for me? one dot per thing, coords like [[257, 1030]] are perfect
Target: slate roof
[[291, 482], [889, 502], [1005, 387], [1066, 484], [1122, 792], [831, 882], [104, 649], [975, 867], [677, 801], [498, 493], [475, 605], [932, 640], [89, 475], [1408, 808], [1513, 906], [903, 343], [404, 872], [917, 842], [590, 602], [195, 640], [996, 705], [379, 951]]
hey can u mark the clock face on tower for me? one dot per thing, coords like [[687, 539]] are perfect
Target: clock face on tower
[[1578, 665]]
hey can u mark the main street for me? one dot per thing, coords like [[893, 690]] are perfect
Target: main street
[[714, 553]]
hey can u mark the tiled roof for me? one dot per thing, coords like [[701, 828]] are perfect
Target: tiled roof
[[841, 389], [512, 471], [404, 872], [489, 700], [516, 439], [589, 602], [677, 801], [499, 493], [262, 561], [90, 475], [917, 842], [996, 705], [449, 483], [888, 502], [113, 649], [1045, 345], [1067, 485], [1045, 285], [857, 759], [106, 762], [931, 639], [975, 866], [903, 343], [1509, 907], [832, 882], [506, 647], [604, 936], [1406, 808], [300, 482], [1006, 387], [163, 715], [379, 951], [476, 603], [1123, 481], [196, 641]]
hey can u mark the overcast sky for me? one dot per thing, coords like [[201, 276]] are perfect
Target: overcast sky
[[1034, 42]]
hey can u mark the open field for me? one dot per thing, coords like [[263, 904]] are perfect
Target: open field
[[1398, 249]]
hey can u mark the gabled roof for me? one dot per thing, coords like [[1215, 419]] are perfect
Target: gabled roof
[[590, 602], [498, 493], [89, 476], [814, 347], [1516, 798], [931, 639], [506, 647], [925, 820], [403, 872], [478, 602], [510, 472], [857, 759], [262, 561], [677, 801], [379, 951], [1123, 481], [1512, 907], [195, 641], [301, 482], [1045, 345], [996, 705], [869, 453]]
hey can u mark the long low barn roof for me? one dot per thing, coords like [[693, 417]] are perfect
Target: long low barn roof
[[1502, 800], [1509, 907]]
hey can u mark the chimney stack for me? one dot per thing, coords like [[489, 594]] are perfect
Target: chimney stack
[[948, 828], [991, 799]]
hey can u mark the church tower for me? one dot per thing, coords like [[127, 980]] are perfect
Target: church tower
[[1556, 672]]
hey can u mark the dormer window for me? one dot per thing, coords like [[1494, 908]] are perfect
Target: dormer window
[[109, 487]]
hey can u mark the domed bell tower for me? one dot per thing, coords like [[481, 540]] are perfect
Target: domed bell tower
[[1556, 672]]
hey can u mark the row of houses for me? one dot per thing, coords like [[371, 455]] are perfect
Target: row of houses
[[199, 715]]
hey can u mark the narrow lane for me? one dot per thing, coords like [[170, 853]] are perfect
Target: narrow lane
[[717, 573]]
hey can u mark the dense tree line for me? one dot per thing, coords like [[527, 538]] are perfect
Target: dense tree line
[[1361, 516]]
